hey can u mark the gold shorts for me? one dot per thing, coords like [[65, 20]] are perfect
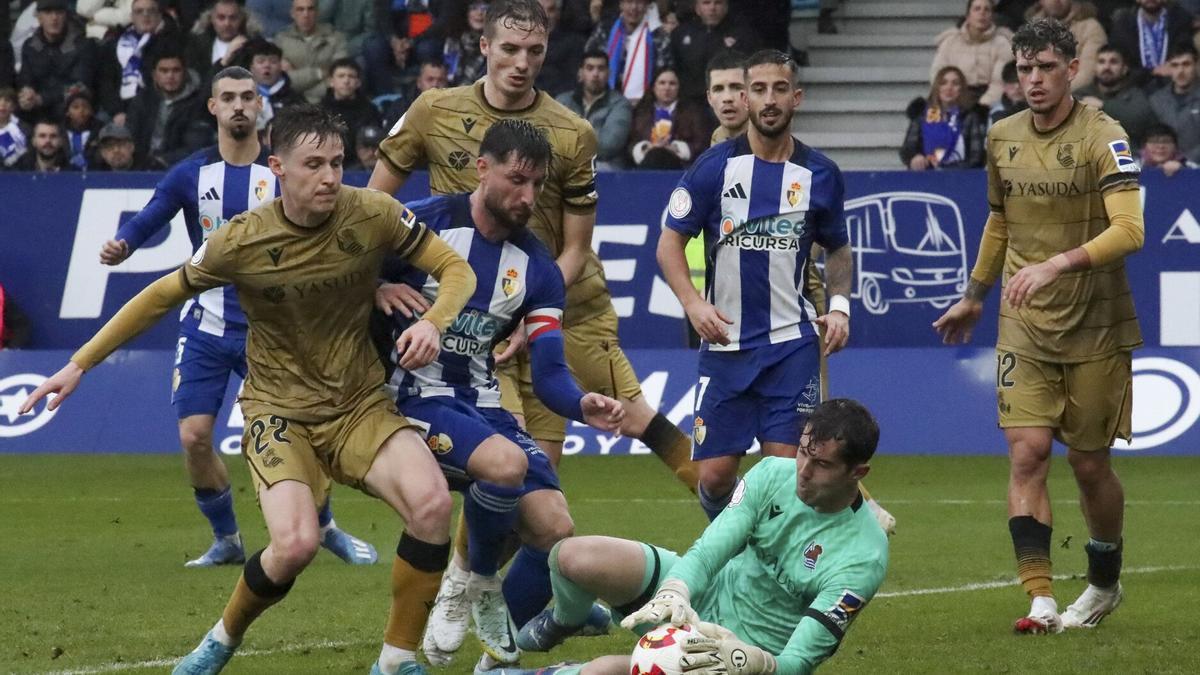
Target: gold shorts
[[1088, 405], [595, 358], [343, 448]]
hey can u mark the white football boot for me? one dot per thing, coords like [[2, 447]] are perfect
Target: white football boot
[[449, 618], [1043, 618], [1092, 606]]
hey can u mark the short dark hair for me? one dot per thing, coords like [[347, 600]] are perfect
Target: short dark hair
[[1181, 48], [726, 59], [511, 135], [851, 424], [231, 73], [1113, 49], [771, 57], [1008, 74], [433, 63], [1159, 130], [259, 46], [291, 124], [525, 14], [9, 93], [345, 62], [594, 53], [1045, 33], [165, 54]]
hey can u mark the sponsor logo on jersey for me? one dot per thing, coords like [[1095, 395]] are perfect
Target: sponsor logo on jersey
[[210, 196], [468, 124], [680, 204], [1043, 188], [471, 334], [14, 389], [1123, 157], [772, 233], [699, 432], [735, 192], [275, 253], [811, 554], [846, 609], [1012, 151], [211, 224], [794, 191]]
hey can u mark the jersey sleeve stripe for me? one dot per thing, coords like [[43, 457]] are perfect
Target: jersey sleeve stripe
[[580, 191], [411, 243], [1121, 180], [824, 620]]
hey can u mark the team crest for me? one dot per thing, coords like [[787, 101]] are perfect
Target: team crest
[[260, 190], [440, 444], [511, 283], [347, 240], [699, 432], [458, 159], [1064, 156], [795, 190], [811, 554]]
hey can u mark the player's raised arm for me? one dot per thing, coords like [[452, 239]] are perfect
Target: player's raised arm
[[157, 214]]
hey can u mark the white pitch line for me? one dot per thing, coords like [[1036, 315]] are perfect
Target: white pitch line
[[162, 663], [988, 585]]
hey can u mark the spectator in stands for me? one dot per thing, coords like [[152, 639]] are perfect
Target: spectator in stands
[[1161, 151], [454, 40], [14, 136], [55, 57], [564, 53], [220, 32], [14, 325], [80, 127], [668, 132], [115, 151], [1178, 105], [636, 52], [699, 39], [104, 16], [264, 60], [1011, 13], [1012, 99], [945, 130], [346, 98], [391, 73], [49, 155], [979, 48], [726, 87], [1115, 92], [366, 149], [609, 113], [169, 120], [125, 59], [1080, 17], [431, 75], [309, 48], [354, 19], [1146, 33], [8, 61], [274, 15]]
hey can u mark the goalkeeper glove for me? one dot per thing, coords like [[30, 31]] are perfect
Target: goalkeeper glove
[[671, 604], [717, 651]]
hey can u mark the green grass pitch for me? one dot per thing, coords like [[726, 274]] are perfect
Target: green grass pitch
[[92, 579]]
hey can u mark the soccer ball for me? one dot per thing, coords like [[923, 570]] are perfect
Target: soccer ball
[[658, 651]]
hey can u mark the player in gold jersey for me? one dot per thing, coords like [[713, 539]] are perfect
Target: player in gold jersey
[[304, 267], [1065, 211]]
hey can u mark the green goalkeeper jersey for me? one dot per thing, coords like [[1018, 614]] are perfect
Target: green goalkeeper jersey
[[782, 576]]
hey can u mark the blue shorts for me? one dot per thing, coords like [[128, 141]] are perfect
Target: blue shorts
[[203, 364], [454, 428], [765, 393]]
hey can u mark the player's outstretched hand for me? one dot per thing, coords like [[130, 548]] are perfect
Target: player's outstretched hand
[[114, 252], [671, 604], [837, 331], [400, 298], [956, 325], [717, 651], [601, 412], [61, 384], [516, 344], [419, 345], [709, 322], [1029, 280]]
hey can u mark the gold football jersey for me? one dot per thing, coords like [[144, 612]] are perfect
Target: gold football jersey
[[307, 293], [444, 127], [1049, 187]]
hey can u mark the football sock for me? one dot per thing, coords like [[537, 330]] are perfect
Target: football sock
[[391, 657], [461, 536], [674, 448], [221, 635], [527, 588], [1104, 563], [254, 593], [416, 575], [571, 601], [713, 505], [491, 510], [325, 517], [217, 506], [1031, 541]]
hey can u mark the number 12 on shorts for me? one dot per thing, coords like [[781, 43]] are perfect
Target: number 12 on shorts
[[1006, 362]]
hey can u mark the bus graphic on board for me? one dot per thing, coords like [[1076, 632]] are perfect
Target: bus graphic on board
[[908, 247]]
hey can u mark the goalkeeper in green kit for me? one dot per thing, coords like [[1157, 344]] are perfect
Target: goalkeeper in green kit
[[772, 584]]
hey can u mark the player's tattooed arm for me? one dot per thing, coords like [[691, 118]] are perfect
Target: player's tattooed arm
[[839, 270], [976, 291]]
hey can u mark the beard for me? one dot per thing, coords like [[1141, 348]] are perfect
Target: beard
[[512, 223], [769, 132], [240, 128]]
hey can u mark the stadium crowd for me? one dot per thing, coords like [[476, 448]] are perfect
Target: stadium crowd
[[121, 85], [1137, 63]]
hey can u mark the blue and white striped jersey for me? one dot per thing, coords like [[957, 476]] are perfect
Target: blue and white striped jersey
[[516, 279], [210, 192], [759, 220]]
